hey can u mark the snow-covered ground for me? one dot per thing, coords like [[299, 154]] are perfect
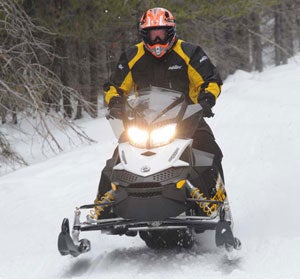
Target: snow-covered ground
[[257, 125]]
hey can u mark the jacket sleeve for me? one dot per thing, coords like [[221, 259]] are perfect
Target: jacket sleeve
[[121, 81], [205, 78]]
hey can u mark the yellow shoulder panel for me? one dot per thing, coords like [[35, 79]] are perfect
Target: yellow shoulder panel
[[128, 83], [138, 55], [195, 78]]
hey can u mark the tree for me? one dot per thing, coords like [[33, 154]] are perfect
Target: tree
[[27, 86], [285, 30], [256, 44]]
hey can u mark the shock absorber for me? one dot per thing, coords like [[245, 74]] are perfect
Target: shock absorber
[[207, 207], [101, 204]]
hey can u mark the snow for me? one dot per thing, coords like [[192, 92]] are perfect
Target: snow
[[257, 126]]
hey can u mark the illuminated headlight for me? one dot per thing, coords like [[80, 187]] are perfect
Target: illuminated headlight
[[162, 135], [137, 136], [157, 137]]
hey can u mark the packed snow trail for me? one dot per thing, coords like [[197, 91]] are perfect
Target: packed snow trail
[[257, 126]]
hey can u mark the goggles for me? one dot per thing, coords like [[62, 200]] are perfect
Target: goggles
[[157, 36]]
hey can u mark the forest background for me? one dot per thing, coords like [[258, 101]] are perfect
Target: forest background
[[55, 55]]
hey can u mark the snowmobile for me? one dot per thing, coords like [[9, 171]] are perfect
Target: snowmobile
[[156, 188]]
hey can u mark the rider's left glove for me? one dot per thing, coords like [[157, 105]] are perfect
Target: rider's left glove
[[115, 108], [207, 101]]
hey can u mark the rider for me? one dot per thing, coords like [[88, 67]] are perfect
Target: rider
[[164, 60]]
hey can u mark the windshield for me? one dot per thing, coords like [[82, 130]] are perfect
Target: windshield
[[154, 107]]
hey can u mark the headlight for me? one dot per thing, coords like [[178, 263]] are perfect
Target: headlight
[[157, 137], [137, 136], [162, 135]]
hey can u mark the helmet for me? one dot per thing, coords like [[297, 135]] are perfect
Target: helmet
[[158, 30]]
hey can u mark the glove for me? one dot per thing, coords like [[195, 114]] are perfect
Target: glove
[[207, 101], [115, 108]]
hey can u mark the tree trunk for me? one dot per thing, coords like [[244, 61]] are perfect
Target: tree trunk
[[297, 25], [77, 69], [56, 67], [84, 72], [289, 20], [282, 35], [65, 78], [256, 42], [242, 44], [94, 74]]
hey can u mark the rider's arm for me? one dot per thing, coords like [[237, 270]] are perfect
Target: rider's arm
[[202, 74], [209, 80], [121, 81]]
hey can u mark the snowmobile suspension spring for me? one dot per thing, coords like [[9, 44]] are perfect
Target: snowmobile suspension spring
[[207, 207], [99, 208]]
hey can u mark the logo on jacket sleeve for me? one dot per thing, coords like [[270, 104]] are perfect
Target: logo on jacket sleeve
[[203, 58]]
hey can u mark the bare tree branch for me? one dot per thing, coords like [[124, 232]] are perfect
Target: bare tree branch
[[27, 86]]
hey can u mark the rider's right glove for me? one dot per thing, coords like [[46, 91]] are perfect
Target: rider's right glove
[[207, 101], [115, 108]]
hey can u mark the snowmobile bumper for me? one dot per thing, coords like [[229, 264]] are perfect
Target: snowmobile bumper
[[71, 245]]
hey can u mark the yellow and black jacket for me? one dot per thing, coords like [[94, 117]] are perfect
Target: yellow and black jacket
[[185, 68]]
